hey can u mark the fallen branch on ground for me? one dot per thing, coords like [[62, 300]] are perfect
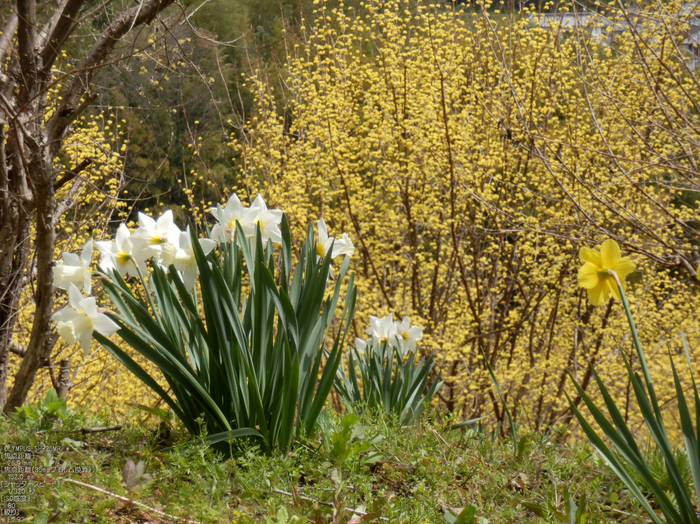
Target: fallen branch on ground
[[127, 499]]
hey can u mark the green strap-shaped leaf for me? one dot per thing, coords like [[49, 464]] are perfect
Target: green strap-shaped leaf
[[286, 254], [223, 436], [513, 427], [610, 458], [694, 454], [284, 306], [140, 373], [629, 450]]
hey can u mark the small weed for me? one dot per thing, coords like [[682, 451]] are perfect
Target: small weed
[[42, 416]]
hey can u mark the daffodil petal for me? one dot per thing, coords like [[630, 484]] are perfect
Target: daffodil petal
[[610, 253], [234, 202], [586, 254], [588, 276], [121, 239], [89, 306], [67, 314], [165, 221], [217, 233], [71, 259], [189, 276], [322, 231], [85, 337], [105, 325], [612, 286], [623, 268], [146, 222], [86, 253], [599, 293], [75, 297], [207, 245]]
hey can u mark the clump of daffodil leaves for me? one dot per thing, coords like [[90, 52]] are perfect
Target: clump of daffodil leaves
[[240, 332], [603, 273]]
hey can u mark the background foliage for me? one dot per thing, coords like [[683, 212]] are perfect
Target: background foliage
[[470, 153]]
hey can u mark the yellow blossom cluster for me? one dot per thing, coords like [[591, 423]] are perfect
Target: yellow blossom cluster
[[470, 156]]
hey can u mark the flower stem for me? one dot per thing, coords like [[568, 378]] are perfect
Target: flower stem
[[635, 336]]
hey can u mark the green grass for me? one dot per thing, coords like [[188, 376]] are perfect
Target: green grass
[[415, 474]]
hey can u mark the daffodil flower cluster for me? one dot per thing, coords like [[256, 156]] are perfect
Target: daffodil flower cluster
[[74, 269], [392, 376], [385, 331], [248, 217], [76, 322], [161, 241], [339, 246]]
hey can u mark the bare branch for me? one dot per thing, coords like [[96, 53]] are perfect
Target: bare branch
[[100, 429], [101, 49], [199, 34], [125, 499], [67, 202], [26, 38], [17, 349], [4, 179], [8, 32], [57, 31], [92, 13], [71, 174]]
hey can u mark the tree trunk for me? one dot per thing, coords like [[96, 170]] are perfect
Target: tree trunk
[[38, 350], [13, 259], [15, 222]]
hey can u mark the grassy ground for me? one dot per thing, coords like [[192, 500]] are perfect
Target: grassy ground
[[369, 470]]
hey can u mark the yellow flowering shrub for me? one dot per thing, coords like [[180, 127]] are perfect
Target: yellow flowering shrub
[[470, 156]]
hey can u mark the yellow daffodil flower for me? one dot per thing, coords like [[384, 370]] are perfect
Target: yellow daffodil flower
[[595, 275]]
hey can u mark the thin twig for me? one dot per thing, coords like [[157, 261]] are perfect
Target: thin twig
[[84, 431], [126, 499], [101, 429], [17, 348], [302, 497]]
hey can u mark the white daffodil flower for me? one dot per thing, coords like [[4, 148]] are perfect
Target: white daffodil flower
[[268, 220], [76, 322], [183, 257], [341, 246], [228, 217], [74, 269], [408, 335], [149, 238], [360, 345], [119, 254], [382, 330], [347, 248]]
